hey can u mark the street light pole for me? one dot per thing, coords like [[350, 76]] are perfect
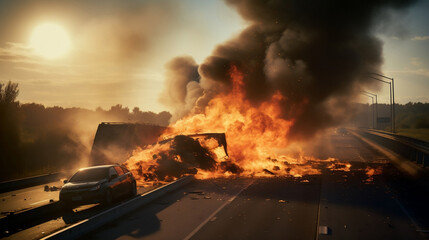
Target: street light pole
[[393, 108], [373, 113], [392, 96], [376, 107]]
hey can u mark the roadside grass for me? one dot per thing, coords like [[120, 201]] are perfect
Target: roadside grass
[[419, 133]]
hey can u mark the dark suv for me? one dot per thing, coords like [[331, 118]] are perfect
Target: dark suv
[[98, 184]]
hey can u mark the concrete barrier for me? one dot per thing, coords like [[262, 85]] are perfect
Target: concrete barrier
[[29, 182], [80, 229], [412, 149], [14, 221]]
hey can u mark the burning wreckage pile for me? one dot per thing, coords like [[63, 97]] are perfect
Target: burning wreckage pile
[[291, 73], [254, 134]]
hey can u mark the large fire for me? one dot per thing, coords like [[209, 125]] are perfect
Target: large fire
[[256, 137]]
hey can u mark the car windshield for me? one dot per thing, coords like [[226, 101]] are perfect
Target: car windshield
[[90, 175]]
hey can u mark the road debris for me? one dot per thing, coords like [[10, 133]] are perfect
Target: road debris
[[268, 171], [323, 230], [196, 192], [51, 189]]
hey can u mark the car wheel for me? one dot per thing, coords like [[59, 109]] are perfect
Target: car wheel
[[133, 190], [108, 199]]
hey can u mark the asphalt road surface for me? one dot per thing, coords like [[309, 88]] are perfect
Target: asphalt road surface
[[27, 198], [338, 204]]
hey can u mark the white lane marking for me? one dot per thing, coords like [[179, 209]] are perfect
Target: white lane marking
[[216, 212], [404, 210], [40, 202]]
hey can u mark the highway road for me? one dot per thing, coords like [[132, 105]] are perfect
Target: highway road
[[26, 198], [334, 205]]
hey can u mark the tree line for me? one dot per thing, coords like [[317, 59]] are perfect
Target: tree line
[[408, 116], [35, 139]]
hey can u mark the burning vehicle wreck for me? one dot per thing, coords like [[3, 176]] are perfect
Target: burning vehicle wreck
[[174, 157]]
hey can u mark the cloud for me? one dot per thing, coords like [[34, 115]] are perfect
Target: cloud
[[416, 61], [422, 71], [16, 52], [420, 38]]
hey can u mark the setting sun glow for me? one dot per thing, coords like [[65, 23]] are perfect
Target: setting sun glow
[[50, 41]]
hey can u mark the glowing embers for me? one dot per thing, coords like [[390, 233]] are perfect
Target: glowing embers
[[371, 172]]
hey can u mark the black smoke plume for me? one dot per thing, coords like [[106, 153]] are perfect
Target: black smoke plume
[[316, 53]]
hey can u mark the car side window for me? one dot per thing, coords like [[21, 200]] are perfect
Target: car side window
[[112, 171], [119, 170]]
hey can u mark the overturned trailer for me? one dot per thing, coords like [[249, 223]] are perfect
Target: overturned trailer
[[115, 142]]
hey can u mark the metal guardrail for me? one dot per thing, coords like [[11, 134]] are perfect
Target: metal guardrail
[[29, 182], [413, 149]]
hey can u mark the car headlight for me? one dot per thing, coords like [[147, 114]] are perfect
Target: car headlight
[[94, 188]]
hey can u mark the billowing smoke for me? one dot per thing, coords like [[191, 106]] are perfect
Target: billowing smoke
[[316, 53], [182, 87]]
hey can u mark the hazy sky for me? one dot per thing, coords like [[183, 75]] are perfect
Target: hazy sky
[[118, 49]]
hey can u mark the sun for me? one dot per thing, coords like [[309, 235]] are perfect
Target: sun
[[50, 41]]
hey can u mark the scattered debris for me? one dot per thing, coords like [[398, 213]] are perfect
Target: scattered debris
[[197, 192], [305, 181], [278, 218], [207, 197], [268, 199], [268, 171], [51, 189], [323, 230], [282, 201]]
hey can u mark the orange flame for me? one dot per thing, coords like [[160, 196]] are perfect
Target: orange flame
[[371, 172], [256, 136]]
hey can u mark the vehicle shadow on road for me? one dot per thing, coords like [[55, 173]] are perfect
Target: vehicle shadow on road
[[137, 226]]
